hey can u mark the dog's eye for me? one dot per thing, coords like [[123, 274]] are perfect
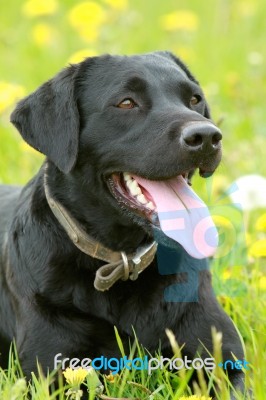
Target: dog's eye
[[127, 104], [195, 100]]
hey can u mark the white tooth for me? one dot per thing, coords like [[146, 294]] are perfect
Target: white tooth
[[133, 183], [135, 190], [127, 177], [142, 199], [150, 205], [129, 183]]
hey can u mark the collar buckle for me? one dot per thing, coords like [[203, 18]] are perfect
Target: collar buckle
[[137, 259], [141, 251]]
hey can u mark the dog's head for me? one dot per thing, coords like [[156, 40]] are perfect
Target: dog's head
[[123, 119]]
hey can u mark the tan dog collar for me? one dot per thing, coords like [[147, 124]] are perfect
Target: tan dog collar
[[119, 264]]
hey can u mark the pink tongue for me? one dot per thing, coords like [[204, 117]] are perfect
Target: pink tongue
[[183, 216]]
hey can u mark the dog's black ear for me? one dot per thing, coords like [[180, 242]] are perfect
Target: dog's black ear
[[48, 119], [180, 63]]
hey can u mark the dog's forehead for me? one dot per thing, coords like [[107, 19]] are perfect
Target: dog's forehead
[[156, 64], [161, 63], [108, 73]]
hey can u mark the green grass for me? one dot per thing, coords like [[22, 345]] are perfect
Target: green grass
[[161, 384], [226, 51]]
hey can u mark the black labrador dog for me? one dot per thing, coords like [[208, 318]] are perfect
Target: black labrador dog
[[78, 255]]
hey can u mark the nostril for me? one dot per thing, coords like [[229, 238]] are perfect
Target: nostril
[[194, 140], [217, 137]]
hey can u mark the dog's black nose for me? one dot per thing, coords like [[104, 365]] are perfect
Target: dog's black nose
[[201, 136]]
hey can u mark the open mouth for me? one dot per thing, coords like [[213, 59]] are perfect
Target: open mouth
[[171, 206], [127, 189]]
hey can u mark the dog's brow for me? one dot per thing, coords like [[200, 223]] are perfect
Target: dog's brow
[[136, 84]]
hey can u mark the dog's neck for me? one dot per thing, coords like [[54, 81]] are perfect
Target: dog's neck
[[119, 264]]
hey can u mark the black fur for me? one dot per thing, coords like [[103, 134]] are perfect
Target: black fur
[[48, 302]]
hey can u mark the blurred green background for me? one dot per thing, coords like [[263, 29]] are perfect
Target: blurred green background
[[222, 41]]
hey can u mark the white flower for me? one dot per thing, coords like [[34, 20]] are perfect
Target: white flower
[[248, 192]]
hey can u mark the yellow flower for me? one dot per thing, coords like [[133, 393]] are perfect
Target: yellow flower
[[75, 377], [258, 249], [87, 17], [34, 8], [227, 274], [9, 94], [262, 283], [80, 55], [117, 4], [185, 20], [261, 223], [195, 398], [42, 34], [112, 378], [85, 13], [232, 272]]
